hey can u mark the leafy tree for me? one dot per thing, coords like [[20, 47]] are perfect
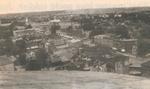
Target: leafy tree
[[54, 28], [6, 47], [96, 32], [122, 32], [29, 26], [41, 57], [143, 47], [5, 32], [22, 59], [20, 50], [145, 32], [87, 24], [21, 46]]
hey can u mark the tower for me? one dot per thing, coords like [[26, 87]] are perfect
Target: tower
[[27, 21], [55, 26]]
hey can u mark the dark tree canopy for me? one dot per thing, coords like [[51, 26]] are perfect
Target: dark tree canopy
[[6, 47], [143, 47], [87, 24], [145, 32], [54, 28], [5, 32], [41, 57], [121, 32], [20, 46]]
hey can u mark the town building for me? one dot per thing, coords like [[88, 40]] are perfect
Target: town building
[[103, 40], [104, 59], [126, 45], [122, 45], [135, 69]]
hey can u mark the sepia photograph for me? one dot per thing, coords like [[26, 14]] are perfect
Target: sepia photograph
[[74, 44]]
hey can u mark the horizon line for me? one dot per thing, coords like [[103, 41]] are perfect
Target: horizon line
[[38, 11]]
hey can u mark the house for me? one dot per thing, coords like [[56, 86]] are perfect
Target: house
[[66, 54], [24, 32], [103, 40], [123, 45], [62, 59], [105, 59], [126, 45], [121, 63], [56, 43], [55, 21]]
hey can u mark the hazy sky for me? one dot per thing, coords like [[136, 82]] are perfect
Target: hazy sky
[[13, 6]]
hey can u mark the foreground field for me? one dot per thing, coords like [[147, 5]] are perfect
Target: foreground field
[[70, 80]]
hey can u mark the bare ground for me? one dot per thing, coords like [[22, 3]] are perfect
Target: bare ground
[[70, 80]]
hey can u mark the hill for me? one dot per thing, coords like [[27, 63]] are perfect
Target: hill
[[81, 11], [70, 80]]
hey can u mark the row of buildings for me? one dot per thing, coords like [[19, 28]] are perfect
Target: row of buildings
[[103, 53]]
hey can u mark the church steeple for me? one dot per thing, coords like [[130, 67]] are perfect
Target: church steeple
[[27, 21]]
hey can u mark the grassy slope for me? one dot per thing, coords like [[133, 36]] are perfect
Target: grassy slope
[[70, 80]]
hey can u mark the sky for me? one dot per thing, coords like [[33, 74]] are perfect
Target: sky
[[17, 6]]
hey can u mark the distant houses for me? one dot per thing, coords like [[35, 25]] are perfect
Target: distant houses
[[104, 40], [72, 48], [122, 45], [105, 59]]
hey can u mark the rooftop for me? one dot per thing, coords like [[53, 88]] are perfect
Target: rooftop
[[55, 21], [5, 25], [66, 54]]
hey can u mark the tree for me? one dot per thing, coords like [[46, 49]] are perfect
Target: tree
[[21, 46], [5, 32], [41, 57], [121, 32], [145, 32], [87, 23], [22, 59], [29, 26], [6, 47], [20, 50], [143, 47], [54, 28], [8, 44]]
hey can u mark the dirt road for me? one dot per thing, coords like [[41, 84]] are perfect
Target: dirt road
[[70, 80]]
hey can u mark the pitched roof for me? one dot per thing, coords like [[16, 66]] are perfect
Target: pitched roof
[[55, 21], [97, 52], [66, 54], [5, 25]]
